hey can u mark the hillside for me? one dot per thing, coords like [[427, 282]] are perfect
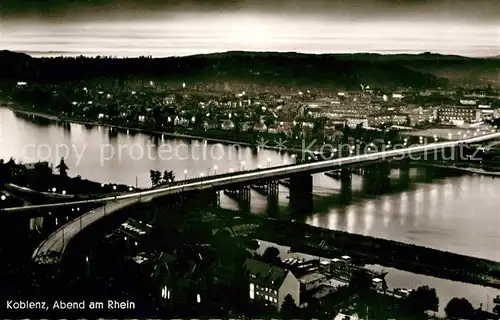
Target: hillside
[[328, 70]]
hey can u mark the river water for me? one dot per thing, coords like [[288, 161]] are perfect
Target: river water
[[458, 214]]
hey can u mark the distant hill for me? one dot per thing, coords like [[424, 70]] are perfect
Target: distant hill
[[324, 70]]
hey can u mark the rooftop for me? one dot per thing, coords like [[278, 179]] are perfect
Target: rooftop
[[311, 277], [135, 228], [341, 316], [265, 271]]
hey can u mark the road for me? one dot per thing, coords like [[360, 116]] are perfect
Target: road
[[58, 240]]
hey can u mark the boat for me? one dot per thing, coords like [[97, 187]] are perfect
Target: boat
[[497, 299]]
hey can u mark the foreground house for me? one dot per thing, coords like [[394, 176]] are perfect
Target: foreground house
[[270, 283]]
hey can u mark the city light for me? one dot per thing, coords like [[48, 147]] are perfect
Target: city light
[[3, 197], [54, 189]]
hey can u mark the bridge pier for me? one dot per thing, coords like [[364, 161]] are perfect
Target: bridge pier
[[404, 172], [430, 173], [273, 207], [269, 188], [404, 168], [301, 187], [345, 185], [273, 189], [242, 194], [376, 178]]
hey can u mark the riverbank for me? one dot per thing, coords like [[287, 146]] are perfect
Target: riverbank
[[368, 250], [482, 172], [208, 136]]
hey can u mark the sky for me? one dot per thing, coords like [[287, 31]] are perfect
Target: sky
[[177, 28]]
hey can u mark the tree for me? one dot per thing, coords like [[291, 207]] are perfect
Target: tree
[[155, 176], [168, 176], [62, 168], [422, 299], [271, 254], [252, 244], [459, 308], [289, 308], [360, 281]]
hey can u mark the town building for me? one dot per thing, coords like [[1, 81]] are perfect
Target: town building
[[270, 283], [395, 118], [420, 115], [354, 121], [134, 232], [458, 115]]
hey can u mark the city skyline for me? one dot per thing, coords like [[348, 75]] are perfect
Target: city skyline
[[130, 28]]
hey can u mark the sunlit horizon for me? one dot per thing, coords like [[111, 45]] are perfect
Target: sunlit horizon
[[193, 34]]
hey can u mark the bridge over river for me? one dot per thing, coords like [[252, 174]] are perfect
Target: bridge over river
[[299, 175]]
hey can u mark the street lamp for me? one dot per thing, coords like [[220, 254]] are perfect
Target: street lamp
[[102, 185], [54, 189], [185, 174], [215, 169], [114, 187], [63, 192], [129, 188], [3, 197]]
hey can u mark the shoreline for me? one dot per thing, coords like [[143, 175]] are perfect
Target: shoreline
[[47, 116], [472, 171], [175, 135], [410, 257]]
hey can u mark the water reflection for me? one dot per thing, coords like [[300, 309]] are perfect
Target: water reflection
[[457, 213], [445, 289]]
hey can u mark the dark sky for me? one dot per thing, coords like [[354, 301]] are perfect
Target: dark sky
[[469, 10], [160, 28]]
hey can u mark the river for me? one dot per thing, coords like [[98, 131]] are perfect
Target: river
[[458, 214]]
